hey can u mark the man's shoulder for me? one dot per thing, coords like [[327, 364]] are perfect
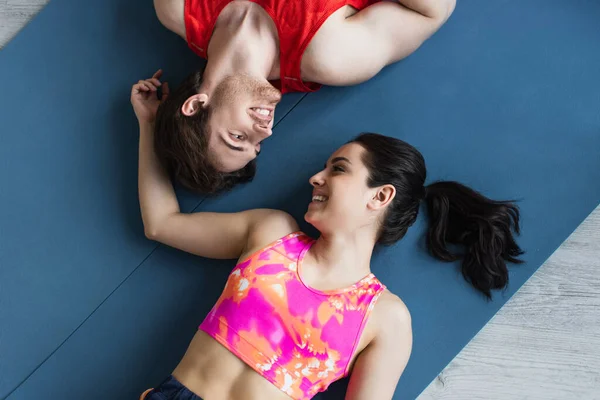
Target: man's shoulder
[[170, 14]]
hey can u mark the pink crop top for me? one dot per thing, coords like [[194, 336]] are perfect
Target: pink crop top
[[298, 338]]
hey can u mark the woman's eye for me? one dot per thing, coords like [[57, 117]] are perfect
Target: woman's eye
[[237, 137], [338, 168]]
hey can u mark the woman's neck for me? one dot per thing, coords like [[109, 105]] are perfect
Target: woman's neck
[[339, 259]]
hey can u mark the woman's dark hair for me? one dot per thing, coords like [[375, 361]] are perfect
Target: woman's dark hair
[[181, 144], [458, 215]]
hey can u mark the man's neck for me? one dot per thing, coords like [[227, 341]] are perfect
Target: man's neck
[[244, 42]]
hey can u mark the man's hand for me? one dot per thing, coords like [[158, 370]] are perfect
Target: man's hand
[[144, 97]]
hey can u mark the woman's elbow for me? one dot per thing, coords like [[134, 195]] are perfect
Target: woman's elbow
[[151, 232]]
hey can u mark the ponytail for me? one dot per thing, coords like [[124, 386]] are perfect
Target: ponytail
[[458, 216], [484, 228]]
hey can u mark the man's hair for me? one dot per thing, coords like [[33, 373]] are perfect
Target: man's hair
[[181, 144]]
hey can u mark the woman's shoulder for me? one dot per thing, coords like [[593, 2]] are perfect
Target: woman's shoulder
[[389, 324], [391, 312], [269, 225]]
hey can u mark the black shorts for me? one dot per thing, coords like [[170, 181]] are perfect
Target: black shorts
[[170, 389]]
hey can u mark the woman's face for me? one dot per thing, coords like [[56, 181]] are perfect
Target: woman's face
[[342, 201]]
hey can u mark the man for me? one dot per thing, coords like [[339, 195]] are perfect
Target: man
[[208, 132]]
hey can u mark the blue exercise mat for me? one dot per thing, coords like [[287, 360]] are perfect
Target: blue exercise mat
[[504, 99], [70, 230]]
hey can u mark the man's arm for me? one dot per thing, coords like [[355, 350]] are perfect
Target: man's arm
[[436, 9], [170, 14], [377, 36]]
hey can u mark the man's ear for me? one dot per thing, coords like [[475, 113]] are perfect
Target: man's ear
[[193, 104]]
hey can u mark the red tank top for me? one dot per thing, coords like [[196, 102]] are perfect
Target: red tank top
[[297, 21]]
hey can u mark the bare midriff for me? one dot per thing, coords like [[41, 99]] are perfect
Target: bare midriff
[[213, 373]]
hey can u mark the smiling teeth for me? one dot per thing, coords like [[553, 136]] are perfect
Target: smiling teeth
[[319, 198], [263, 111]]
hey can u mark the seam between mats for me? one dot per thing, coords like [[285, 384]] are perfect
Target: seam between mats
[[120, 284], [291, 109], [83, 322]]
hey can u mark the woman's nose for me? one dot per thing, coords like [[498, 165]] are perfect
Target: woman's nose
[[317, 179]]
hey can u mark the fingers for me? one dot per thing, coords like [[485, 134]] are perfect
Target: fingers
[[165, 91], [139, 87], [154, 81], [149, 85]]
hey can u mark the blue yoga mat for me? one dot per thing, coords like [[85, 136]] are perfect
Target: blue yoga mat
[[504, 98], [70, 230]]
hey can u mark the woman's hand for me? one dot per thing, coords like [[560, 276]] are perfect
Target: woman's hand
[[144, 97]]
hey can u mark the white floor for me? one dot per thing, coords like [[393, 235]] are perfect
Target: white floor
[[543, 344]]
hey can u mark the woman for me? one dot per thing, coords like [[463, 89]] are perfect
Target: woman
[[297, 314]]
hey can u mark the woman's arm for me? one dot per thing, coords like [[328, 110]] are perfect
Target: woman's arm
[[212, 235], [378, 367]]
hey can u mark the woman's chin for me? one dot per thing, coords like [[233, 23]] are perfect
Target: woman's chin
[[312, 218]]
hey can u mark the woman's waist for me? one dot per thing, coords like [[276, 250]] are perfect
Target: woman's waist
[[214, 373]]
